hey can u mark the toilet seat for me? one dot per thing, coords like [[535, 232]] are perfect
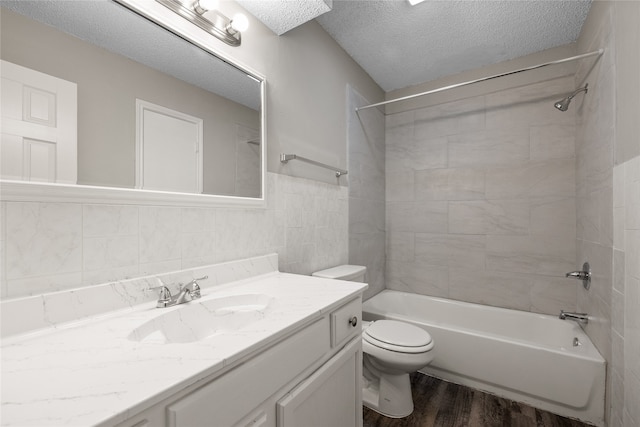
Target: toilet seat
[[398, 337]]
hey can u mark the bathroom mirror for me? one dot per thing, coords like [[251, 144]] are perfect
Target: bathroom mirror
[[96, 95]]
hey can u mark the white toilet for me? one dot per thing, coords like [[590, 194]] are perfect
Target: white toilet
[[392, 350]]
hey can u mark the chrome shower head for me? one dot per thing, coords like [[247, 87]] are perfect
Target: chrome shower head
[[563, 104]]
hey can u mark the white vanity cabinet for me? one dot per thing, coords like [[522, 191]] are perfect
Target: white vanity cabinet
[[312, 377]]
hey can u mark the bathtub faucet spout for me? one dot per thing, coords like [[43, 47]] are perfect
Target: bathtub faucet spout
[[582, 318]]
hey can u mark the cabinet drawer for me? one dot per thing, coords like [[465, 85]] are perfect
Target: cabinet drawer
[[346, 321], [228, 399]]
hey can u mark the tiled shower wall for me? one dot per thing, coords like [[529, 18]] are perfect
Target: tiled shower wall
[[480, 197], [51, 246]]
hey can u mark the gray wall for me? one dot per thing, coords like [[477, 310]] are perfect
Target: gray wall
[[108, 85]]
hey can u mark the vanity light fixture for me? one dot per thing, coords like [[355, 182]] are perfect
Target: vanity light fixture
[[215, 23]]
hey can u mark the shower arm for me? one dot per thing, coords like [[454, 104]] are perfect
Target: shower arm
[[582, 89]]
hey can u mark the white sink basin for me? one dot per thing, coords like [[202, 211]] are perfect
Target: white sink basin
[[197, 320]]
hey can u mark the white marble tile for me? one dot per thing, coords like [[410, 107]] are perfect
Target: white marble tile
[[399, 127], [97, 277], [617, 311], [553, 142], [109, 220], [455, 117], [549, 295], [416, 155], [617, 399], [489, 288], [552, 178], [489, 217], [400, 186], [400, 246], [35, 285], [294, 209], [553, 216], [43, 238], [618, 185], [451, 250], [618, 227], [418, 217], [159, 234], [531, 254], [631, 394], [450, 184], [30, 312], [159, 267], [366, 216], [101, 253], [418, 277], [632, 253], [489, 148], [194, 220], [632, 194], [529, 105], [618, 270]]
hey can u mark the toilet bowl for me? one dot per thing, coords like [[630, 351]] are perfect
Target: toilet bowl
[[391, 351]]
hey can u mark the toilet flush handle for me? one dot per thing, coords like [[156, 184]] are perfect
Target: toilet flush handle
[[353, 321]]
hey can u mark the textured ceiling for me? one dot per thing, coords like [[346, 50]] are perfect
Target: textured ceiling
[[283, 15], [401, 45]]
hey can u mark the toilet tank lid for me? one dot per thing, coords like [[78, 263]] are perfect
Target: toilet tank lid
[[343, 272]]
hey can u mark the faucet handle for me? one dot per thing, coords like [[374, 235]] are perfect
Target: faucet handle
[[195, 291], [164, 294]]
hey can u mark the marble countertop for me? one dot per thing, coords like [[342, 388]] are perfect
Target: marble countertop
[[88, 372]]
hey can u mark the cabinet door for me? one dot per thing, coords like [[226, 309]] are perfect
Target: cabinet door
[[331, 396]]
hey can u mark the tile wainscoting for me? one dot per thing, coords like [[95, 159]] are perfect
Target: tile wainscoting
[[52, 246]]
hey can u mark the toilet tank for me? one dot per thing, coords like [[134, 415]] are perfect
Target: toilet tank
[[352, 273]]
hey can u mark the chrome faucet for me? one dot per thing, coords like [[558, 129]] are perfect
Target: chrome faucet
[[187, 293], [582, 318], [584, 275]]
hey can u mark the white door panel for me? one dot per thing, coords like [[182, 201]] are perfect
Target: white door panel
[[39, 126], [169, 149]]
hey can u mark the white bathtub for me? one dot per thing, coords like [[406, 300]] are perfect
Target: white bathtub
[[518, 355]]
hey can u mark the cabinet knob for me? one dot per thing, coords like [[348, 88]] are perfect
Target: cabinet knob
[[353, 321]]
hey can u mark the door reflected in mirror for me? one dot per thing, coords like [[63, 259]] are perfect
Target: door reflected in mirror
[[95, 94]]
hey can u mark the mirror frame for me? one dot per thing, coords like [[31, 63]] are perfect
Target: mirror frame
[[27, 191]]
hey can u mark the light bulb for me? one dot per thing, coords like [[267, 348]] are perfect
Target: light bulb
[[239, 22], [208, 4]]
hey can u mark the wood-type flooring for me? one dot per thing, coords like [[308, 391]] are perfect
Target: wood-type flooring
[[442, 404]]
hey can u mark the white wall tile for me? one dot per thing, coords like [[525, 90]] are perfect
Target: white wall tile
[[42, 239], [450, 184], [490, 288], [545, 255], [416, 155], [418, 217], [496, 147], [449, 119], [489, 217], [553, 142], [159, 238], [450, 250], [552, 178], [419, 278], [70, 245], [109, 220]]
